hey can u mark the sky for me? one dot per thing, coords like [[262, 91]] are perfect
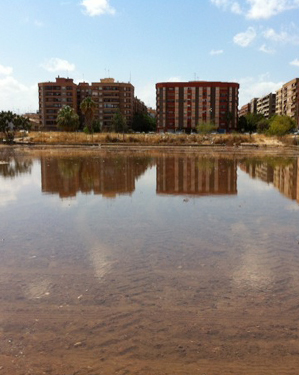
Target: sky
[[252, 42]]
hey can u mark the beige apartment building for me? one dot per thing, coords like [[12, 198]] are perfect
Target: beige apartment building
[[266, 105], [287, 100], [109, 96]]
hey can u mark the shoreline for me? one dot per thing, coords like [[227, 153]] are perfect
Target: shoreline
[[244, 150]]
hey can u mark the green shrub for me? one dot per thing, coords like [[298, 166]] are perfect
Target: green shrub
[[281, 125]]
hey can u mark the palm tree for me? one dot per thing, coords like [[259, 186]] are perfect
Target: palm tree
[[67, 119], [88, 107]]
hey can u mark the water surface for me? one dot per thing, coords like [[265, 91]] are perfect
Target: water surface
[[121, 263]]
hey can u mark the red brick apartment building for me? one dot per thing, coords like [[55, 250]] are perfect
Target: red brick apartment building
[[53, 96], [109, 96], [181, 106]]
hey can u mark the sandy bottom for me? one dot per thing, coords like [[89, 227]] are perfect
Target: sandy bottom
[[57, 318]]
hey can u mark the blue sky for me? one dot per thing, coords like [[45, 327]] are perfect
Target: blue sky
[[252, 42]]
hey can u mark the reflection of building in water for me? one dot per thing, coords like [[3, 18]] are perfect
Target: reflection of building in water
[[196, 176], [284, 174], [108, 176], [285, 180], [262, 171]]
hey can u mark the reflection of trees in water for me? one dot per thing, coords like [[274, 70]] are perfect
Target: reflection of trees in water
[[11, 165], [270, 161], [68, 168], [205, 164]]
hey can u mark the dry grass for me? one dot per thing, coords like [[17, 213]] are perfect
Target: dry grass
[[65, 138]]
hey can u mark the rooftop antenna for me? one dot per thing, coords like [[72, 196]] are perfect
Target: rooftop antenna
[[130, 78], [108, 73]]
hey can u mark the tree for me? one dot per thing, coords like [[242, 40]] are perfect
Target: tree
[[206, 127], [10, 123], [119, 122], [281, 125], [88, 107], [252, 120], [97, 126], [142, 122], [67, 119], [263, 126], [242, 124]]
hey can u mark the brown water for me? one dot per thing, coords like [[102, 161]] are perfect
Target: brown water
[[148, 264]]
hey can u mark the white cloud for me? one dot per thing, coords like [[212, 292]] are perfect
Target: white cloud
[[257, 9], [252, 87], [174, 79], [17, 97], [246, 38], [56, 65], [295, 62], [97, 7], [147, 93], [38, 23], [216, 52], [268, 8], [5, 70], [235, 8], [231, 5], [281, 37], [265, 49]]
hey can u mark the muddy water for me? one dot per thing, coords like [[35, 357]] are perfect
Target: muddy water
[[148, 264]]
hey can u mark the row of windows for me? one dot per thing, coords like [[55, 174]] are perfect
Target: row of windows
[[59, 100], [57, 87], [53, 105]]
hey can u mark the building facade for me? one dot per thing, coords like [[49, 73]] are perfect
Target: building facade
[[52, 97], [245, 109], [109, 96], [253, 105], [287, 100], [266, 105], [182, 106]]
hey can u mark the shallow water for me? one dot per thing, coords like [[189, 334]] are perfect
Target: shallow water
[[115, 263]]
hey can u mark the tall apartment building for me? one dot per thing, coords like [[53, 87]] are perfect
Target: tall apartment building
[[266, 105], [53, 96], [184, 105], [287, 100], [109, 96]]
